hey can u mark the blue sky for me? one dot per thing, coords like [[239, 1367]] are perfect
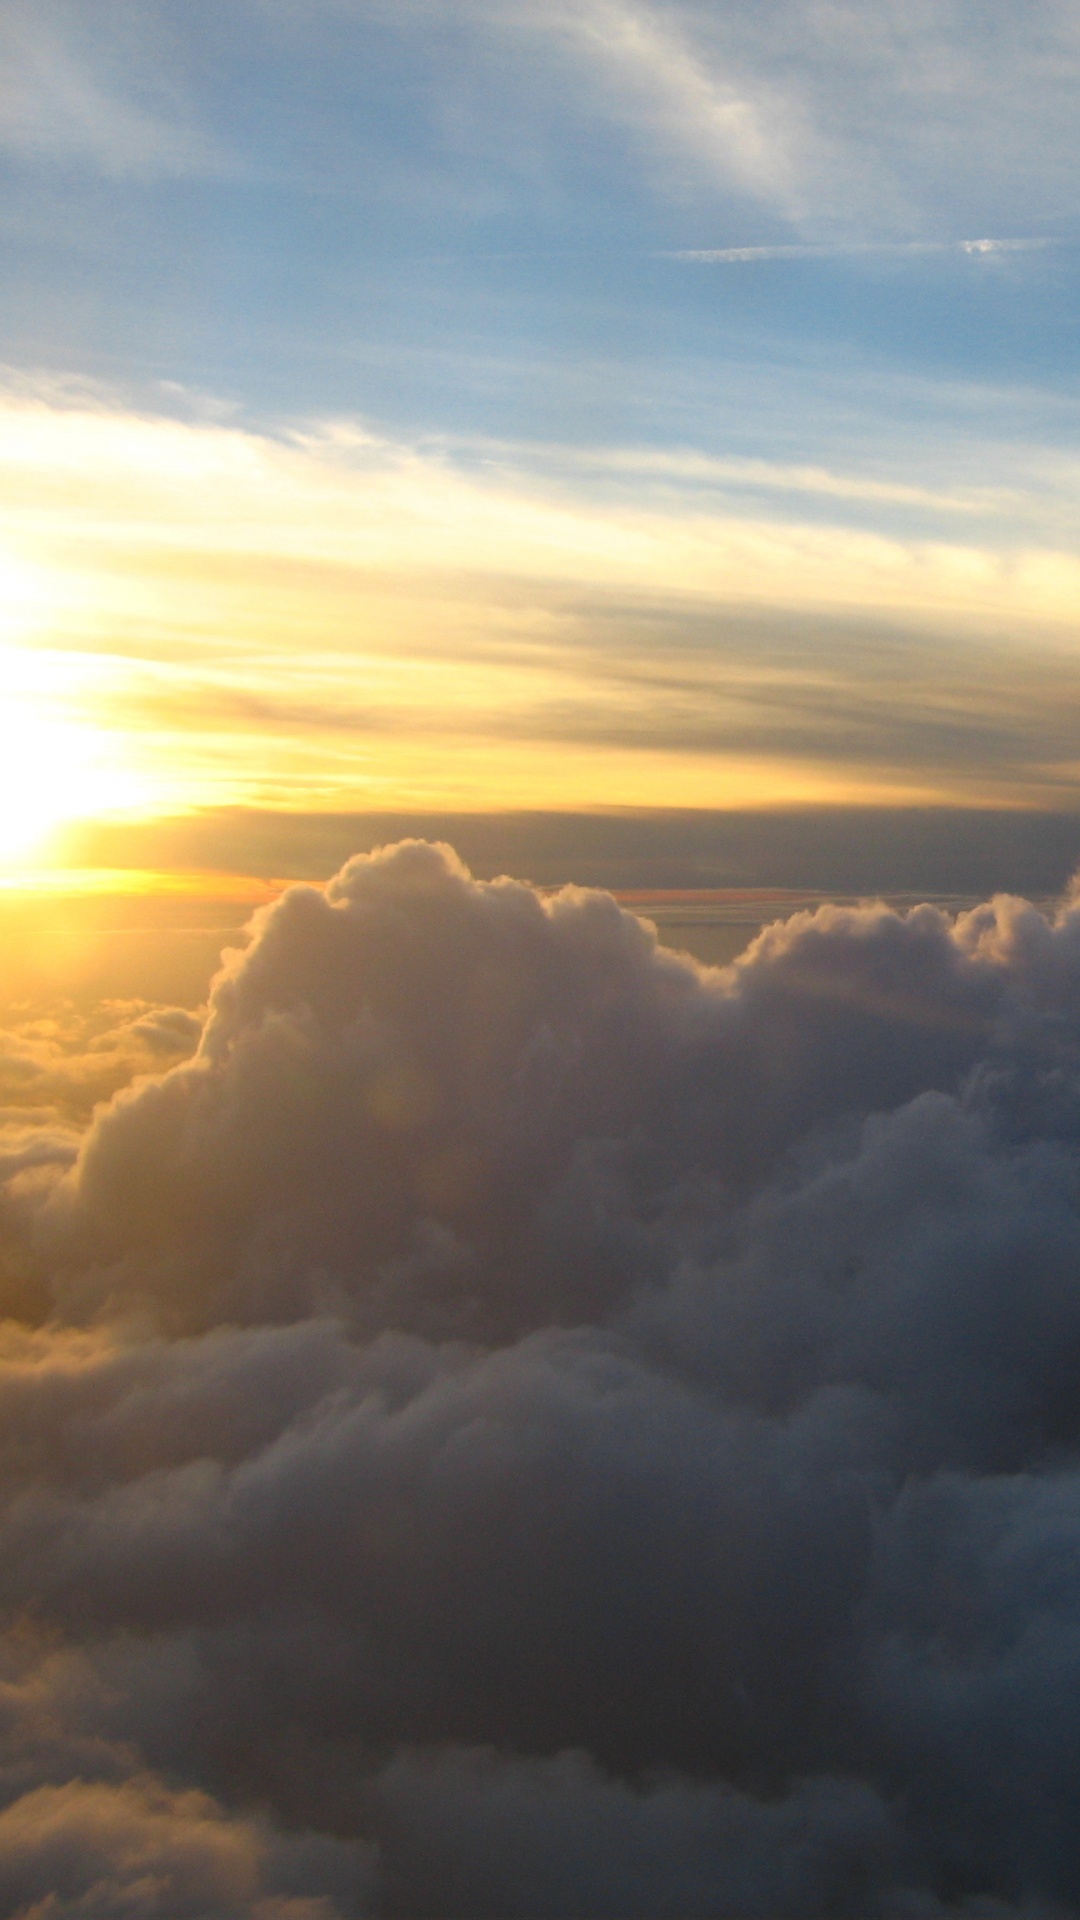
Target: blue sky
[[809, 271], [448, 212]]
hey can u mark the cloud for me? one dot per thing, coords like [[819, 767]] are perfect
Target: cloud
[[64, 1059], [97, 1852], [688, 465], [103, 91], [898, 249], [413, 623], [549, 1014], [476, 1830], [742, 131], [848, 122], [556, 1429], [839, 122]]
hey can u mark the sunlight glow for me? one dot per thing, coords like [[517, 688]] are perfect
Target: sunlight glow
[[203, 615], [52, 771], [24, 601]]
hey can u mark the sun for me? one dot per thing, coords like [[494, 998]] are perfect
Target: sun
[[52, 770]]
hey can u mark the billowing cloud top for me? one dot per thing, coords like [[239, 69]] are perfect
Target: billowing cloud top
[[518, 1424]]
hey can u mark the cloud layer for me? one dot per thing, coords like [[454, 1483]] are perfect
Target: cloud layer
[[841, 120], [520, 1424], [325, 617]]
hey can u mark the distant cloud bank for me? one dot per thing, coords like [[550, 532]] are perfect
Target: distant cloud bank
[[517, 1424]]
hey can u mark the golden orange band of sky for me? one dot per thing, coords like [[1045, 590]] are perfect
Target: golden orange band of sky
[[196, 614]]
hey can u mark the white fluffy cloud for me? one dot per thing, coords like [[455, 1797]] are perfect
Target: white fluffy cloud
[[556, 1430]]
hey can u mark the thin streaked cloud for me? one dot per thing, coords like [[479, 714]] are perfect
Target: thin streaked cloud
[[103, 93], [856, 249], [294, 618], [688, 466], [740, 130]]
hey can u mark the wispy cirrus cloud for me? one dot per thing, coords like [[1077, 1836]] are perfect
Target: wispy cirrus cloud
[[101, 90], [985, 249], [327, 616], [840, 118], [729, 125]]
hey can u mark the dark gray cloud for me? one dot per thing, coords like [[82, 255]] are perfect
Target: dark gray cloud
[[522, 1425], [656, 675], [926, 850]]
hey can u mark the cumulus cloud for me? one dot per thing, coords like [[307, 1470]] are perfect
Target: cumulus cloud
[[521, 1424], [99, 1852], [63, 1058]]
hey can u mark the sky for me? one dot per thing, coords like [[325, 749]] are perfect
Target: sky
[[539, 960], [481, 406]]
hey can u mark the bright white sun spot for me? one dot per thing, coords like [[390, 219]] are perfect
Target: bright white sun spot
[[56, 764], [52, 770]]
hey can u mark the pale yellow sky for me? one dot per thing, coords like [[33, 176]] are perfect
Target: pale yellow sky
[[196, 613]]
